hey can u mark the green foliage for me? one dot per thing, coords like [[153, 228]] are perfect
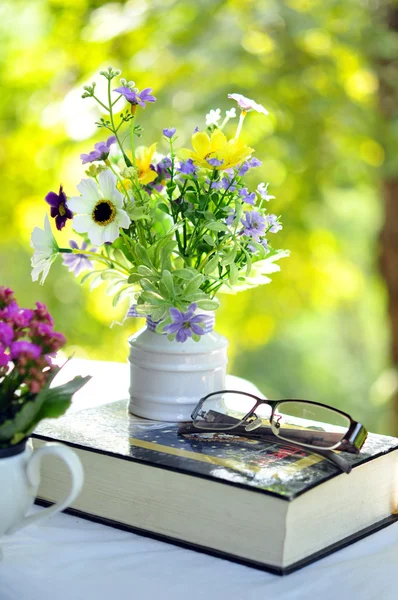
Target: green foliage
[[49, 403], [320, 331]]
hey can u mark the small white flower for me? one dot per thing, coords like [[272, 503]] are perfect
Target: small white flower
[[46, 251], [230, 114], [100, 209], [213, 117], [262, 189], [246, 104]]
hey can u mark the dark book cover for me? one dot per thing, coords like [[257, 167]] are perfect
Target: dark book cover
[[266, 466]]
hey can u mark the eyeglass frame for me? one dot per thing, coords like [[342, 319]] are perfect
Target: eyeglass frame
[[352, 441]]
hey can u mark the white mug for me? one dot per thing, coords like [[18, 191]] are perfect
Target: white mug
[[19, 482]]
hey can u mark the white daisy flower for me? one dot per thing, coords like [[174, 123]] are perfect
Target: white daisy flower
[[262, 189], [100, 209], [213, 117], [46, 251], [246, 104]]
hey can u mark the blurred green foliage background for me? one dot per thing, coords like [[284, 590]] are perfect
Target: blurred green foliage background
[[320, 330]]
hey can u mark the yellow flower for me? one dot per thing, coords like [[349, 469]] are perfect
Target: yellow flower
[[231, 152], [143, 159]]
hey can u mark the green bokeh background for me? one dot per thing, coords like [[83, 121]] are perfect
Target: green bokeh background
[[320, 330]]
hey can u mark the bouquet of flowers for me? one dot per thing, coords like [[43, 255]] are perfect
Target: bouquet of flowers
[[169, 231], [27, 345]]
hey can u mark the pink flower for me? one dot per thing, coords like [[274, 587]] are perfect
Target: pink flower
[[246, 104]]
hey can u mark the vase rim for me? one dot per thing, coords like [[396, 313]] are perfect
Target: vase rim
[[13, 450]]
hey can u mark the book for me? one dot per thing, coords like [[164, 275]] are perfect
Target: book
[[263, 503]]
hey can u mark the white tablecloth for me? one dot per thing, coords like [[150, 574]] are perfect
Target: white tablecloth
[[67, 558]]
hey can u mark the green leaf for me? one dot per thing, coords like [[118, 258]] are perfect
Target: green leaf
[[194, 284], [233, 274], [121, 295], [208, 304], [148, 286], [211, 266], [229, 257], [142, 270], [166, 285], [209, 240], [159, 313], [108, 274], [185, 273], [134, 278], [160, 326], [164, 208], [216, 226], [120, 257], [142, 256], [89, 275]]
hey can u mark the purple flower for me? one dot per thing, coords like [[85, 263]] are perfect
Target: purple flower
[[165, 163], [77, 262], [20, 317], [162, 174], [196, 129], [254, 162], [186, 167], [264, 243], [249, 164], [246, 104], [249, 198], [22, 347], [169, 132], [186, 323], [215, 185], [214, 162], [262, 189], [135, 97], [254, 224], [59, 211], [6, 334], [227, 182], [230, 219], [101, 151], [275, 226]]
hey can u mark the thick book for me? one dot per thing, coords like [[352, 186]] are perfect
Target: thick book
[[262, 503]]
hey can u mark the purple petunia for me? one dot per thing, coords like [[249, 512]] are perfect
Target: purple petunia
[[169, 132], [59, 211], [101, 151], [186, 323], [77, 263], [186, 167], [254, 224], [135, 97], [248, 197]]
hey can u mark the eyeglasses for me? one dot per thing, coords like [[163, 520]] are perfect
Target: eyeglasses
[[313, 425]]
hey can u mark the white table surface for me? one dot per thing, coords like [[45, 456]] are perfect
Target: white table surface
[[69, 558]]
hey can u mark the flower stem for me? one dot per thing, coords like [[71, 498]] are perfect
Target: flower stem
[[239, 128], [114, 129]]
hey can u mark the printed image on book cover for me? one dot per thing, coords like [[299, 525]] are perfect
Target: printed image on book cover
[[269, 466]]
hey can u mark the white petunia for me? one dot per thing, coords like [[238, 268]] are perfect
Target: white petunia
[[262, 189], [246, 104], [99, 209], [46, 251], [213, 117]]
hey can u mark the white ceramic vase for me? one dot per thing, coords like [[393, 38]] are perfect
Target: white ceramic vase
[[168, 378], [19, 482]]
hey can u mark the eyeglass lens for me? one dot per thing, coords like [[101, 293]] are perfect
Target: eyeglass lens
[[294, 421]]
